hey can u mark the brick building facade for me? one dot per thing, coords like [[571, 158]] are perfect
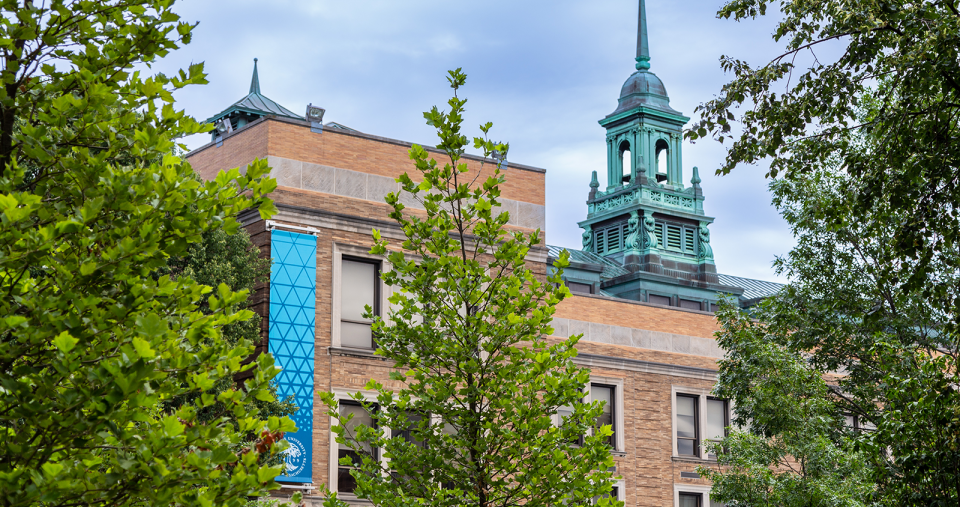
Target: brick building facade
[[643, 304]]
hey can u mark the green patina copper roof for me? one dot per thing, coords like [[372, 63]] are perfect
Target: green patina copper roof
[[255, 103], [611, 269], [643, 88], [752, 289]]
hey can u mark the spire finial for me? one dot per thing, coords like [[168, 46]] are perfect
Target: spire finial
[[643, 49], [255, 81]]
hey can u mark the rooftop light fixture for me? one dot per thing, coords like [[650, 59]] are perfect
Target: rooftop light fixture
[[315, 117], [224, 126]]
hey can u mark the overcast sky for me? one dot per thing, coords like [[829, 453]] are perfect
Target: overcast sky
[[544, 72]]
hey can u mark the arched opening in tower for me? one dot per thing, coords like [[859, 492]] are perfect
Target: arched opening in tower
[[663, 154], [626, 163]]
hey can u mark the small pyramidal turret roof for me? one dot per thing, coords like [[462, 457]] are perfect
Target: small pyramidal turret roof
[[253, 106]]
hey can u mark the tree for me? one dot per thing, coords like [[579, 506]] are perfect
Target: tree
[[911, 48], [93, 343], [467, 328], [849, 339], [233, 260]]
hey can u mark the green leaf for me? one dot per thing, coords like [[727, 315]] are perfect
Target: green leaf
[[64, 342]]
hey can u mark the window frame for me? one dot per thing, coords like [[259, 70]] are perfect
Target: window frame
[[616, 383], [692, 489], [697, 417], [341, 396], [726, 421], [702, 395], [381, 291]]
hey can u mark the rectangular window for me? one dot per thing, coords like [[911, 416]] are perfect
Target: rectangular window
[[717, 421], [583, 288], [690, 305], [562, 414], [359, 287], [691, 500], [346, 483], [688, 430], [413, 422], [606, 394], [658, 300]]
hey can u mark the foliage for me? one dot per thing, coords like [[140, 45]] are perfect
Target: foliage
[[850, 317], [467, 336], [233, 260], [904, 56], [794, 449], [93, 344]]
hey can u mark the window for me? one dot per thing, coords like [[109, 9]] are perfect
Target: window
[[690, 305], [615, 492], [688, 438], [359, 287], [693, 495], [718, 418], [857, 423], [697, 417], [413, 422], [346, 483], [606, 394], [658, 300], [691, 500], [584, 288], [563, 413]]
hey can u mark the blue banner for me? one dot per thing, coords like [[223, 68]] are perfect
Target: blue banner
[[293, 302]]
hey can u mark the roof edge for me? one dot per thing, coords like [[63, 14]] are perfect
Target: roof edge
[[306, 124]]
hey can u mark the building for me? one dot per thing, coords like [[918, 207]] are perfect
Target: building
[[645, 283]]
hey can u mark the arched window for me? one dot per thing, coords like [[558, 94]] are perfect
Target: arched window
[[663, 153], [626, 163]]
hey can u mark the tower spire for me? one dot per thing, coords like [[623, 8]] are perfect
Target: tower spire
[[643, 49], [255, 81]]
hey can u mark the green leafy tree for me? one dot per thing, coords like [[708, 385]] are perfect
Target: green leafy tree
[[230, 259], [94, 343], [864, 140], [793, 449], [480, 382], [803, 109], [848, 339]]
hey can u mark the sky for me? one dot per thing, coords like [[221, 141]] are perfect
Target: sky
[[544, 72]]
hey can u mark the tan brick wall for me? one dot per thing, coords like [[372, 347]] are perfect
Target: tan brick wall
[[238, 150], [628, 314], [344, 151], [383, 158]]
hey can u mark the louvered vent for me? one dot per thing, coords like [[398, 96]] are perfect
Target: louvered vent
[[658, 230], [689, 246], [673, 237], [614, 239], [599, 241]]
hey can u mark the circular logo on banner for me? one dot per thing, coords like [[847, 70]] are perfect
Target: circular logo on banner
[[296, 457]]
